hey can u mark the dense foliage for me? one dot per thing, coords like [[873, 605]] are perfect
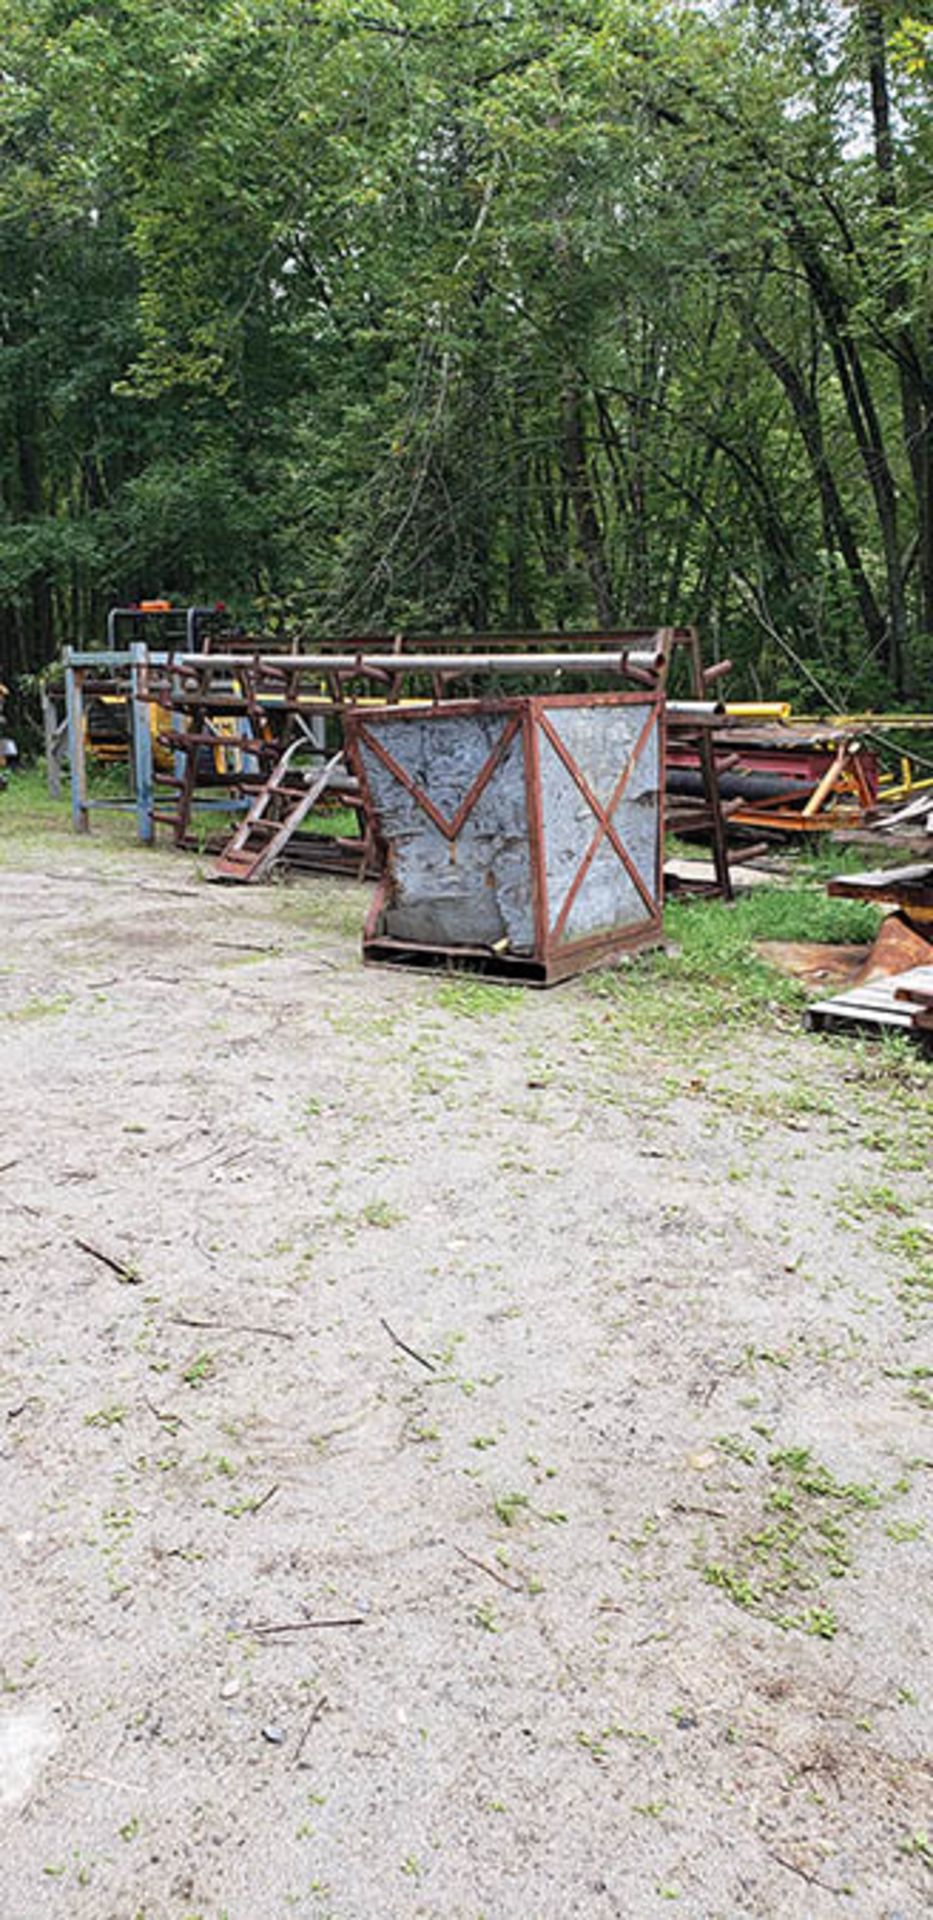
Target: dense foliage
[[471, 313]]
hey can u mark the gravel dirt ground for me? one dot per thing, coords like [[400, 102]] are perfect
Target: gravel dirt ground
[[464, 1453]]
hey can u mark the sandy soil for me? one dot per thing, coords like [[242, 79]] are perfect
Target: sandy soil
[[609, 1598]]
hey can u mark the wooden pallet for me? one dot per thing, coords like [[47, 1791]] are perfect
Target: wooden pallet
[[901, 1004]]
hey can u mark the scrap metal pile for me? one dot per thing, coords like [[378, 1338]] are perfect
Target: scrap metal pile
[[520, 833], [783, 776], [517, 834]]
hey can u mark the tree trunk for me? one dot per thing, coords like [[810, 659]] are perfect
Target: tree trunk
[[582, 498], [807, 416], [914, 357]]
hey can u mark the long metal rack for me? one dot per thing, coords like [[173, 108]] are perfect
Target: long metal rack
[[228, 716]]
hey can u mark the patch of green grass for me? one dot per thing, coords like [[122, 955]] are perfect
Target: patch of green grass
[[737, 1449], [922, 1396], [901, 1530], [918, 1846], [597, 1744], [361, 1027], [819, 860], [918, 1284], [476, 998], [41, 1009], [337, 823], [857, 1203], [710, 975], [199, 1370], [380, 1213], [252, 1504], [508, 1506], [802, 1536], [27, 809], [28, 814], [913, 1244]]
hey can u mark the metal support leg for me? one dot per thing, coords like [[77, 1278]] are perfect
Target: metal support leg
[[74, 711], [708, 769], [142, 743]]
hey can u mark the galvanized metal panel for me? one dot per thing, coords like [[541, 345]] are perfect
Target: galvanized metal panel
[[476, 890], [601, 741]]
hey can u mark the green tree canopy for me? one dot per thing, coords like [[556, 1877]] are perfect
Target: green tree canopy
[[466, 314]]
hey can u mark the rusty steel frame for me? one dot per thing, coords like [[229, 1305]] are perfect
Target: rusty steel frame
[[278, 683], [553, 959]]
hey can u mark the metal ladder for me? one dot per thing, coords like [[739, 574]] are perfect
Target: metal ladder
[[276, 812]]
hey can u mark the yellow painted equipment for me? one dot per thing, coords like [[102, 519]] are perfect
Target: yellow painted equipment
[[759, 709]]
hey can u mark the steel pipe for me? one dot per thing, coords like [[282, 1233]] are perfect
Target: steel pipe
[[389, 664], [694, 711]]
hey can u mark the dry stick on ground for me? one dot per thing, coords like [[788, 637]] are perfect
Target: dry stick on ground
[[403, 1344], [243, 946], [171, 1421], [313, 1719], [812, 1879], [119, 1267], [228, 1326], [8, 1165], [265, 1499], [300, 1626], [514, 1586], [104, 1780]]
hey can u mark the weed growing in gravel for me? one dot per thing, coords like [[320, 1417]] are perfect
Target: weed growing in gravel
[[915, 1246], [362, 1027], [476, 998], [41, 1009], [919, 1846], [597, 1744], [200, 1369], [801, 1537], [380, 1213], [903, 1530], [859, 1203], [508, 1506]]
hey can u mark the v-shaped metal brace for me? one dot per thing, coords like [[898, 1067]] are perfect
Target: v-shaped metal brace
[[452, 827]]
